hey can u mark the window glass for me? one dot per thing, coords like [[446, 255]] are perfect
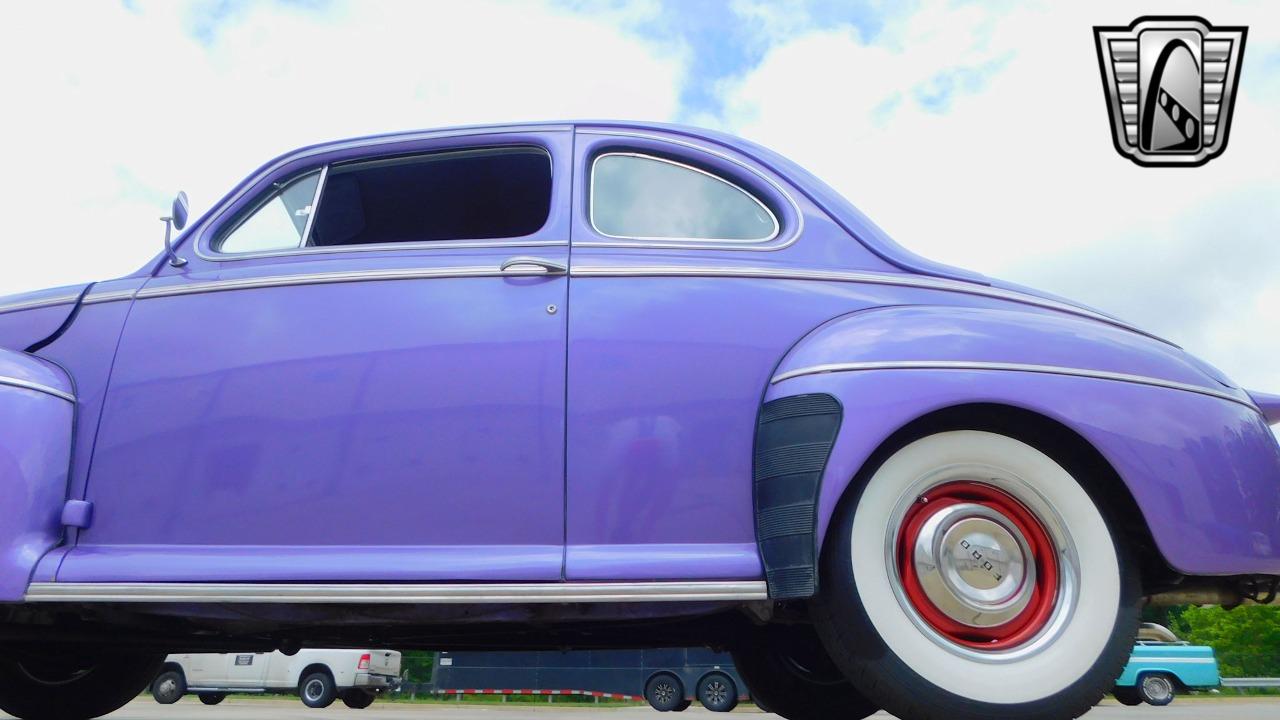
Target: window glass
[[277, 223], [643, 197], [458, 195]]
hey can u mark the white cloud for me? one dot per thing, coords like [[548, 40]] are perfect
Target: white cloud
[[1015, 174], [110, 111]]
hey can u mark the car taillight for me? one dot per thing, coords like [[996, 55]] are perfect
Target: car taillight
[[364, 662]]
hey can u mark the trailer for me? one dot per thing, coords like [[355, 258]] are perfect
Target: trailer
[[669, 679]]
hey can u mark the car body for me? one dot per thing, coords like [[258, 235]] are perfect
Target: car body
[[213, 675], [560, 376]]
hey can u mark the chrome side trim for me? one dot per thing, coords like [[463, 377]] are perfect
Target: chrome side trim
[[42, 302], [1009, 367], [792, 237], [454, 593], [37, 387], [66, 300], [718, 242], [852, 276], [336, 277], [105, 297]]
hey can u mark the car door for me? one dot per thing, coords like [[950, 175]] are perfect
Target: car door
[[379, 396]]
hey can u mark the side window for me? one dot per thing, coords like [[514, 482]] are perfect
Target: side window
[[475, 194], [643, 197], [278, 222]]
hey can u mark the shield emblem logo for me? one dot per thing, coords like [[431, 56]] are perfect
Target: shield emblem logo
[[1170, 84]]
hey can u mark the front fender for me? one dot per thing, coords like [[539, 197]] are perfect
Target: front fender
[[37, 409]]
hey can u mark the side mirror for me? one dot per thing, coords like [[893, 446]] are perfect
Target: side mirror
[[176, 219], [179, 213]]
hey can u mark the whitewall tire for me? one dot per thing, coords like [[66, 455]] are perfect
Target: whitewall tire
[[973, 576]]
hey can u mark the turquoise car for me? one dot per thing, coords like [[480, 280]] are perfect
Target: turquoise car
[[1159, 669]]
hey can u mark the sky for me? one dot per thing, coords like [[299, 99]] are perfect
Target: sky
[[974, 133]]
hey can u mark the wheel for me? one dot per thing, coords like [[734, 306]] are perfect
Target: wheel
[[717, 692], [169, 687], [664, 692], [788, 672], [684, 705], [212, 698], [972, 577], [88, 685], [317, 690], [1126, 695], [357, 699], [1156, 689]]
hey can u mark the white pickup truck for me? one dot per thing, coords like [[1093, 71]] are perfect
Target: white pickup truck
[[318, 676]]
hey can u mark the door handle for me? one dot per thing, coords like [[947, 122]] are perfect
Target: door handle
[[520, 265]]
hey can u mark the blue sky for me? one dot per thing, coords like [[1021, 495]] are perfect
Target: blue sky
[[973, 132]]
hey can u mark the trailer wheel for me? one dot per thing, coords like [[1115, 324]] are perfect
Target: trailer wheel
[[788, 672], [971, 576], [88, 685], [317, 690], [357, 699], [1156, 689], [169, 687], [664, 692], [212, 698], [717, 692]]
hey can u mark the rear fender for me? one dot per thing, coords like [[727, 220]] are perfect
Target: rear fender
[[1196, 456], [37, 410]]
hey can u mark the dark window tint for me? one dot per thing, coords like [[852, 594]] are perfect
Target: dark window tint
[[644, 197], [464, 195]]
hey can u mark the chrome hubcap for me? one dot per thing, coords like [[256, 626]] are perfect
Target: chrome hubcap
[[1157, 688], [314, 690], [974, 565]]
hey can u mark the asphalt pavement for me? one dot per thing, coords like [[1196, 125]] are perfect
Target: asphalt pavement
[[291, 709]]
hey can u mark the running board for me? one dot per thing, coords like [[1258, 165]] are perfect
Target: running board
[[365, 594]]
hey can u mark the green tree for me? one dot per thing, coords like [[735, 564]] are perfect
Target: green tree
[[1246, 639]]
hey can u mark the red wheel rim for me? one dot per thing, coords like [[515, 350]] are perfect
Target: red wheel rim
[[1040, 575]]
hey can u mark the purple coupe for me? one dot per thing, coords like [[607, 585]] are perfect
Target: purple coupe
[[605, 384]]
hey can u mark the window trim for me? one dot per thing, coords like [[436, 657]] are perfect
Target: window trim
[[591, 203], [277, 187], [205, 245]]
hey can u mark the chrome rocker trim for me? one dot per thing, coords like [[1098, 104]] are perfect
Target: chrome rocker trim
[[1009, 367], [454, 593]]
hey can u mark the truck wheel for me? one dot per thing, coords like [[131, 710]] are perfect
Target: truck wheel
[[317, 690], [789, 673], [664, 692], [88, 685], [972, 577], [212, 698], [169, 687], [357, 699], [1156, 689], [717, 692]]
